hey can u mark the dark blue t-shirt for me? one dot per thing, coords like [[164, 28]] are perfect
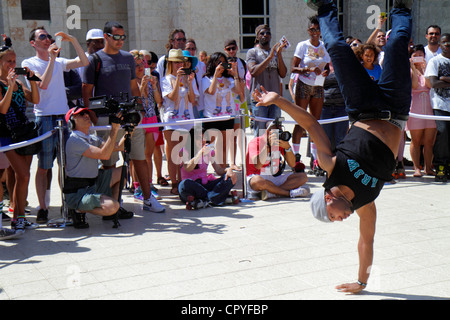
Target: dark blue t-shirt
[[115, 75]]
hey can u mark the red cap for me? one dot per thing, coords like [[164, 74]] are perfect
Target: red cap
[[75, 111]]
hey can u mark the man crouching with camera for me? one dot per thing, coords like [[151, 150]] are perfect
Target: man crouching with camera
[[266, 159], [87, 188]]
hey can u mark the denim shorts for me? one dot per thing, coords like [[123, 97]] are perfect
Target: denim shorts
[[50, 146]]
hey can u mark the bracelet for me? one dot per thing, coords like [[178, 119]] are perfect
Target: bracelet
[[362, 284], [288, 150]]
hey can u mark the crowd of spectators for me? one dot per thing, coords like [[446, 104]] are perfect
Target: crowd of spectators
[[178, 87]]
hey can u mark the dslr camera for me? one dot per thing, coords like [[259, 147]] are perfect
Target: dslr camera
[[282, 135], [130, 109]]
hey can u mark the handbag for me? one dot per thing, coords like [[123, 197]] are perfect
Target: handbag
[[27, 131]]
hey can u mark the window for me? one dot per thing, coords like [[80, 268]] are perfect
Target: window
[[252, 14], [340, 5], [35, 10]]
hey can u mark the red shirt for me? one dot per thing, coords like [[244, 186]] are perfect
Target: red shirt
[[254, 148]]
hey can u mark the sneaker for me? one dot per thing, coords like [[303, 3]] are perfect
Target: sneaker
[[195, 204], [79, 220], [8, 234], [22, 224], [122, 213], [138, 194], [156, 195], [5, 217], [440, 174], [316, 4], [153, 205], [42, 216], [408, 4], [266, 195], [300, 192]]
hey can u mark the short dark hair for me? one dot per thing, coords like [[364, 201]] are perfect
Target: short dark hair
[[445, 35], [110, 25], [417, 47], [434, 27], [33, 32], [313, 20]]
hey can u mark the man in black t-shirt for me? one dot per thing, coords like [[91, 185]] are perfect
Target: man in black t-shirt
[[365, 159]]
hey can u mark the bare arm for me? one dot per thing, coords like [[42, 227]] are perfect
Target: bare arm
[[304, 119], [105, 151], [81, 60], [368, 217], [439, 83]]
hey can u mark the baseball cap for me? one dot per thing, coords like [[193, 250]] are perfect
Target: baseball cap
[[94, 34], [319, 206], [75, 111]]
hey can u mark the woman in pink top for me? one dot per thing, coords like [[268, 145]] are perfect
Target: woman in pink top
[[197, 187], [423, 132]]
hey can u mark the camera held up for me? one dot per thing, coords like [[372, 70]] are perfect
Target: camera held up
[[130, 109]]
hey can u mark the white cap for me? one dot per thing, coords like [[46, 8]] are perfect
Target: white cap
[[94, 34]]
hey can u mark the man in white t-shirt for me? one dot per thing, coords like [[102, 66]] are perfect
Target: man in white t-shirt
[[53, 101], [438, 72], [433, 36]]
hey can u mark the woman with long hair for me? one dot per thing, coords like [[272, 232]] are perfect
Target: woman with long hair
[[13, 97]]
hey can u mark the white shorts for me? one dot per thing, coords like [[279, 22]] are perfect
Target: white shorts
[[278, 181]]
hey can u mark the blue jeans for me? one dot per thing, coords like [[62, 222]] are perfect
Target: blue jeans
[[335, 131], [269, 112], [361, 93], [215, 191]]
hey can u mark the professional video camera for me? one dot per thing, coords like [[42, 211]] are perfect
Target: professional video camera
[[283, 135], [130, 109]]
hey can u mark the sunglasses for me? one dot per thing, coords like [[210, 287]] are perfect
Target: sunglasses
[[265, 33], [314, 29], [180, 39], [231, 49], [117, 37], [44, 36]]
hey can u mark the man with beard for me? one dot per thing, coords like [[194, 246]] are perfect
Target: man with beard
[[267, 68]]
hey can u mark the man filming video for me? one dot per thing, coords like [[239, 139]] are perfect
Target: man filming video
[[266, 159], [87, 188]]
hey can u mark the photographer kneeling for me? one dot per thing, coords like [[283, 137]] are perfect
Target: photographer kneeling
[[87, 188], [266, 160]]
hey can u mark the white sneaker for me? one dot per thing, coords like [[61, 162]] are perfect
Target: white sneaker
[[266, 195], [8, 234], [300, 192], [153, 205]]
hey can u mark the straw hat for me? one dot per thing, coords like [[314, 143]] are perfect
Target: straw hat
[[176, 55]]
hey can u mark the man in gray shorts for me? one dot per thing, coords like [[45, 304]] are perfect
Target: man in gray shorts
[[87, 188]]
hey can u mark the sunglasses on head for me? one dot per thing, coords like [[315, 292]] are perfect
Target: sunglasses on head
[[117, 37], [44, 36]]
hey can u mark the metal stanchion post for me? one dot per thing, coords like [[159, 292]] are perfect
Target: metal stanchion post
[[243, 115], [64, 220]]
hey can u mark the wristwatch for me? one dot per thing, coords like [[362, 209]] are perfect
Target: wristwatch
[[288, 150]]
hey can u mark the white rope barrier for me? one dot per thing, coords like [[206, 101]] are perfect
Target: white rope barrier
[[174, 123], [27, 143], [202, 120]]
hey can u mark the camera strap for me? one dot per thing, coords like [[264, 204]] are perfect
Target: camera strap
[[98, 66]]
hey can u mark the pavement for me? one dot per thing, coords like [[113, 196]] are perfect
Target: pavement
[[272, 250]]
